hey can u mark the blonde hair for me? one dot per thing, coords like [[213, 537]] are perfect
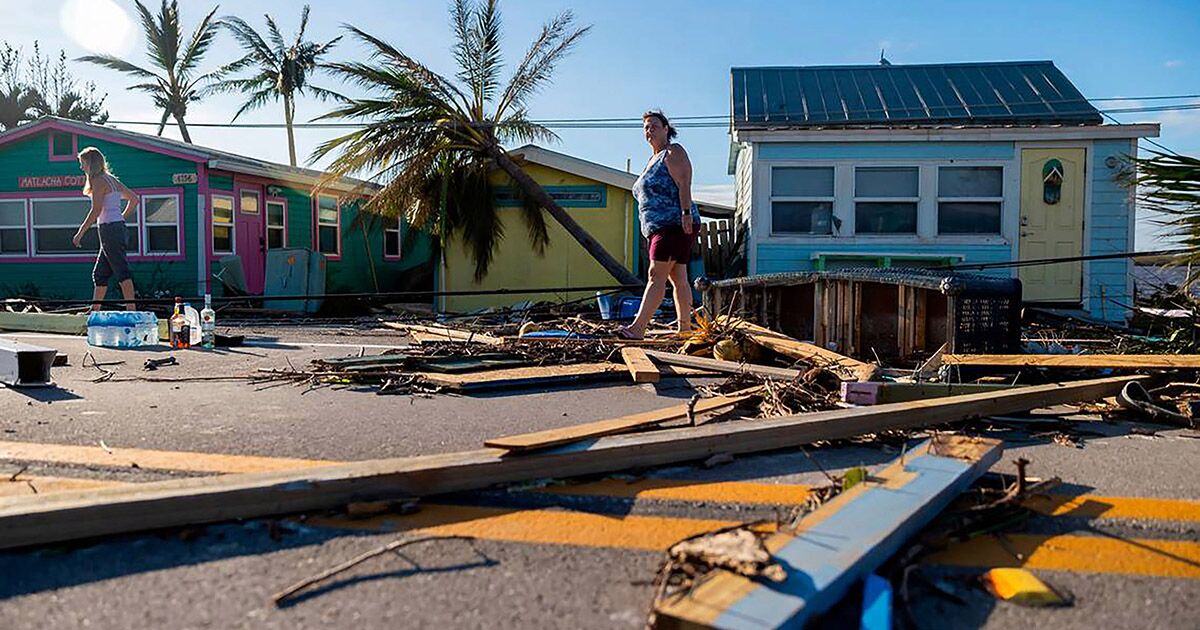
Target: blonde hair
[[94, 164]]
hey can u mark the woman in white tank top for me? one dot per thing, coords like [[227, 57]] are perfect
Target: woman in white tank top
[[107, 192]]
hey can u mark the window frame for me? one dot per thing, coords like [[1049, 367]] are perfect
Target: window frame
[[832, 200], [267, 227], [317, 225], [939, 199], [855, 199], [144, 225], [399, 230], [31, 245], [212, 223], [25, 226]]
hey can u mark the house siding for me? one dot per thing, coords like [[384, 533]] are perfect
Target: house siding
[[1108, 281]]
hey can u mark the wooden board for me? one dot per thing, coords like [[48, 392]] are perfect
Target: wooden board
[[849, 369], [640, 367], [880, 393], [716, 365], [513, 378], [44, 322], [442, 333], [73, 515], [840, 543], [614, 426], [1130, 361]]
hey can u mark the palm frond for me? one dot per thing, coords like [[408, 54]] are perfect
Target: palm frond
[[273, 32], [201, 39], [115, 63], [556, 40]]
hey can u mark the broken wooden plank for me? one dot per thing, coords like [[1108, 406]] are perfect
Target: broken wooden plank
[[443, 333], [840, 542], [846, 367], [99, 512], [717, 365], [640, 367], [880, 393], [44, 323], [513, 378], [613, 426], [1126, 361]]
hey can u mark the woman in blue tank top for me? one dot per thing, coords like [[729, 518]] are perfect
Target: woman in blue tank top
[[107, 192], [669, 221]]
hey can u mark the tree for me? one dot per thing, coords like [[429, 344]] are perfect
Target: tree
[[58, 93], [281, 70], [1170, 184], [432, 142], [176, 81], [16, 97]]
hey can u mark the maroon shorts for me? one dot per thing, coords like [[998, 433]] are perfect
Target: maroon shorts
[[672, 243]]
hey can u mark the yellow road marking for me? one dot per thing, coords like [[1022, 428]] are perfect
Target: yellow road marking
[[1116, 507], [582, 529], [25, 485], [1080, 554], [151, 459], [684, 490]]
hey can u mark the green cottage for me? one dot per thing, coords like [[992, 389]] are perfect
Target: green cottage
[[198, 206]]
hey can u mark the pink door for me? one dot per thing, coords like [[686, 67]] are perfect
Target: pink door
[[251, 237]]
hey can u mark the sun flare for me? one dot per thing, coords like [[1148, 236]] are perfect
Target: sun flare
[[101, 26]]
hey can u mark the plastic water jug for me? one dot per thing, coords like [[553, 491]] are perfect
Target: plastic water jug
[[193, 320], [122, 329]]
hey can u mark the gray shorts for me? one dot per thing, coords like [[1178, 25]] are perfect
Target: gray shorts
[[111, 261]]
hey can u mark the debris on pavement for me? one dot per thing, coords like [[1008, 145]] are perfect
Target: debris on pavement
[[1021, 587]]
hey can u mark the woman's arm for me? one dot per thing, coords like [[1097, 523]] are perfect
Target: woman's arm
[[131, 198], [90, 219], [680, 168]]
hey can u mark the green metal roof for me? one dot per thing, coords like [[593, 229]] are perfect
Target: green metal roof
[[980, 94]]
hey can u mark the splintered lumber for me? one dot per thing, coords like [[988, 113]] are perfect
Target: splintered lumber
[[98, 512], [513, 378], [442, 333], [1115, 361], [556, 437], [840, 543], [879, 393], [641, 368], [717, 365], [847, 368], [44, 323]]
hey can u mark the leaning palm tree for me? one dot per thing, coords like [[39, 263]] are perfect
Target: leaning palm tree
[[1169, 183], [281, 70], [433, 142], [17, 104], [175, 81]]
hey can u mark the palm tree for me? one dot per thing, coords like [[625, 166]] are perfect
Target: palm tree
[[433, 142], [174, 83], [1169, 183], [16, 105], [282, 70]]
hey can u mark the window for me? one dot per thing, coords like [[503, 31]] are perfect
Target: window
[[161, 214], [970, 199], [391, 239], [276, 230], [12, 228], [222, 224], [885, 200], [802, 200], [62, 146], [329, 229], [249, 202], [55, 222]]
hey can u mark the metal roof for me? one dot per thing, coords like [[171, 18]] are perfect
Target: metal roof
[[990, 93]]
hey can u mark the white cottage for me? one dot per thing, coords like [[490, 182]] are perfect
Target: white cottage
[[928, 165]]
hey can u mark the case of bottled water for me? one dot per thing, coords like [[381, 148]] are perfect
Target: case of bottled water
[[122, 329]]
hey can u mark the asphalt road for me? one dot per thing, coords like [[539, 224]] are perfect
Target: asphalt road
[[574, 557]]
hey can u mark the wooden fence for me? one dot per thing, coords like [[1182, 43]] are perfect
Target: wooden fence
[[716, 245]]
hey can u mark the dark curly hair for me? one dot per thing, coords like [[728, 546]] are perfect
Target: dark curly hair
[[662, 118]]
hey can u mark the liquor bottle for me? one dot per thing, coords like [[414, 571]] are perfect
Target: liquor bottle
[[208, 323], [180, 331]]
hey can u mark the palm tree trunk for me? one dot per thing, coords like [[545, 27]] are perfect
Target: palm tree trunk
[[183, 131], [539, 194], [162, 124], [289, 113]]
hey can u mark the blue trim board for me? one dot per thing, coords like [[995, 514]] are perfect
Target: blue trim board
[[566, 196], [843, 541]]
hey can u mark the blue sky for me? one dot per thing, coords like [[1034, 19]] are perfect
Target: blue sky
[[676, 55]]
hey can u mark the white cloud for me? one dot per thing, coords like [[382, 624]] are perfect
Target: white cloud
[[1174, 63], [715, 193]]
